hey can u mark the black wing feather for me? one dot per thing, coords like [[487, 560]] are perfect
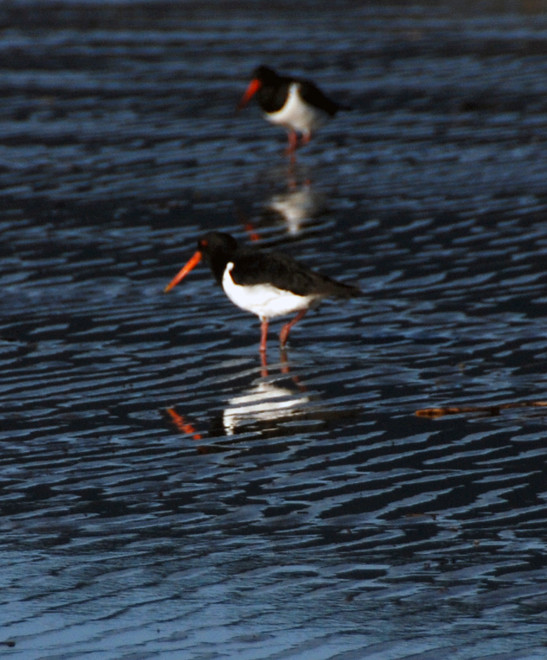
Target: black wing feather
[[285, 273], [312, 94]]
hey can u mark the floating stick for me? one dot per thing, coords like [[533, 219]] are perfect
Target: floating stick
[[490, 410]]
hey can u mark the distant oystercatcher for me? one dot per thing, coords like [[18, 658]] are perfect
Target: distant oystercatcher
[[297, 104], [268, 284]]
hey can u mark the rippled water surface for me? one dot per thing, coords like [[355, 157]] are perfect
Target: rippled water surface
[[165, 495]]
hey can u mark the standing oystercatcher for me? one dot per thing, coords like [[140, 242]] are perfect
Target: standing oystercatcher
[[268, 284], [298, 105]]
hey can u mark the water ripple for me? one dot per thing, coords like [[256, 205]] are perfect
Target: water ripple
[[165, 493]]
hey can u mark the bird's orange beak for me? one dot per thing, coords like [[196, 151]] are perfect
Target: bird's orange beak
[[183, 272], [252, 89]]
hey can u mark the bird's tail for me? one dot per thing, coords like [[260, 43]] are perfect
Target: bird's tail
[[342, 290]]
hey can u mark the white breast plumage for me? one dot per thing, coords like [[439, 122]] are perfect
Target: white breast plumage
[[296, 114], [264, 300]]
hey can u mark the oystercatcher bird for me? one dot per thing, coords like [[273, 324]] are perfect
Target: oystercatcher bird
[[297, 104], [268, 284]]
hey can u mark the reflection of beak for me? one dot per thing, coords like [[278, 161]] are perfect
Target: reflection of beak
[[182, 425], [252, 89], [194, 261]]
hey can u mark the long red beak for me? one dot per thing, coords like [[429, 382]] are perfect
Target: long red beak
[[183, 272], [252, 89]]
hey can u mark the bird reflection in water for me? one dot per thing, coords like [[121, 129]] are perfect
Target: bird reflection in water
[[298, 206], [293, 208], [268, 403]]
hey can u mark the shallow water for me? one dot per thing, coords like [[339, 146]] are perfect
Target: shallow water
[[162, 495]]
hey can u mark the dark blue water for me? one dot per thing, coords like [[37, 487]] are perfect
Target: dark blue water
[[164, 495]]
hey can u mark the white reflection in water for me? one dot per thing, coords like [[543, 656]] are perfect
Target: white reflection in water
[[263, 402], [298, 205]]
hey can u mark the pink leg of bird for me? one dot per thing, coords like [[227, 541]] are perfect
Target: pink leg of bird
[[293, 142], [263, 335], [284, 334]]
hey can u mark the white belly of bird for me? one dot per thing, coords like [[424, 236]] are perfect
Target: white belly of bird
[[296, 114], [264, 300]]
